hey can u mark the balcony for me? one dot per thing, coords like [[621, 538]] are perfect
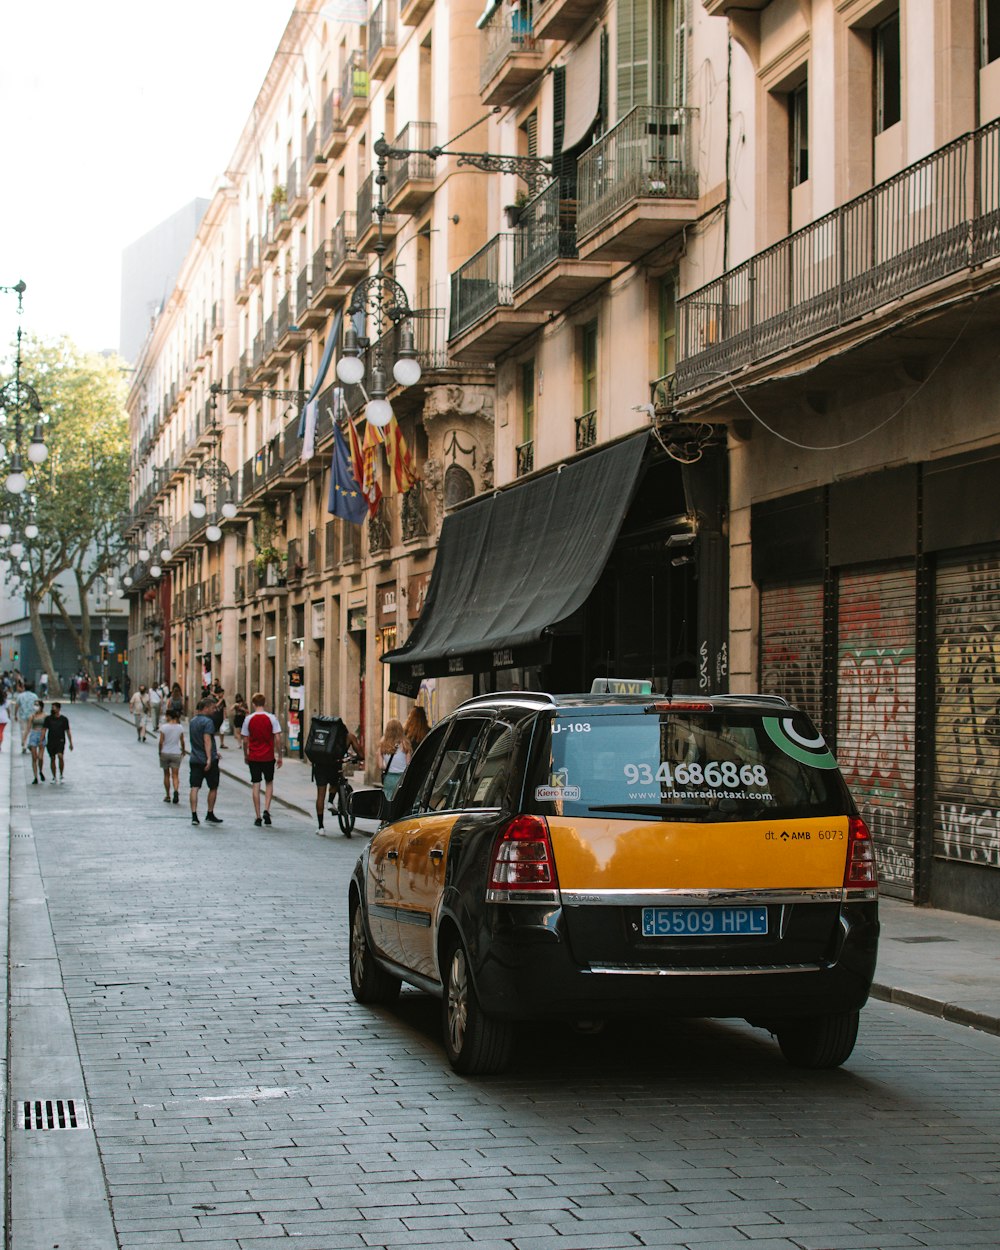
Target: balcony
[[637, 185], [512, 57], [315, 162], [238, 378], [296, 190], [563, 19], [380, 529], [265, 364], [525, 458], [413, 12], [218, 319], [289, 335], [586, 430], [484, 320], [922, 236], [382, 39], [252, 264], [333, 132], [354, 90], [279, 225], [411, 181], [241, 288], [367, 229], [548, 276], [415, 514]]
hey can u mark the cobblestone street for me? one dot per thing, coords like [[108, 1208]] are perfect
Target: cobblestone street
[[239, 1095]]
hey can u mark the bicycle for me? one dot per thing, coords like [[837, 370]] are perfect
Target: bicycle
[[341, 802]]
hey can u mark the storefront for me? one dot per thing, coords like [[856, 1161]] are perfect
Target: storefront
[[880, 616], [610, 564]]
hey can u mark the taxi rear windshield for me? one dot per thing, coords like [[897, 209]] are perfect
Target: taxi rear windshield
[[689, 766]]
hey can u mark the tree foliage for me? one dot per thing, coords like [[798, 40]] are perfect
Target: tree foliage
[[80, 493]]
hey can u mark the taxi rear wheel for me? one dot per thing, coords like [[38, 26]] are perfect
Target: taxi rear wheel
[[369, 982], [819, 1041], [476, 1043]]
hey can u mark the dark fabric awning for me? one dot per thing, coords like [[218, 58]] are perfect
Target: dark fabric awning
[[511, 566]]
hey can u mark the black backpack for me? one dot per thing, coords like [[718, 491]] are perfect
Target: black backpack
[[327, 740]]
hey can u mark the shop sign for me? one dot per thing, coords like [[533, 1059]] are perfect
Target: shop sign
[[385, 600], [357, 620]]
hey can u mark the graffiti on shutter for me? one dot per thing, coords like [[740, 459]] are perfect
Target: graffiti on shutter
[[791, 645], [876, 693], [967, 731]]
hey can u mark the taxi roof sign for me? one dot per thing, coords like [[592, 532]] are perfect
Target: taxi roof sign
[[621, 685]]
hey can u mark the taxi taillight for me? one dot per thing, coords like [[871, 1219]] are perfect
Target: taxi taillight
[[861, 873], [523, 863]]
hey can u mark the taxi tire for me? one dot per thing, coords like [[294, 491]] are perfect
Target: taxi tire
[[369, 982], [819, 1041], [476, 1044]]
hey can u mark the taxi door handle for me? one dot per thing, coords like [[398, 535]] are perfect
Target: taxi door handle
[[392, 854], [437, 853]]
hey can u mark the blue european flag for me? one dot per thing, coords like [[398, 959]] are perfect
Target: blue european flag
[[346, 499]]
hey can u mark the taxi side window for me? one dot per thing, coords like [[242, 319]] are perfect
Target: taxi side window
[[409, 799], [488, 777], [453, 765]]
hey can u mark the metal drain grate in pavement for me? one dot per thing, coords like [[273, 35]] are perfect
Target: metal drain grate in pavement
[[51, 1113]]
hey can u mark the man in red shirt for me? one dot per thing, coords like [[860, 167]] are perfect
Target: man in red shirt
[[262, 750]]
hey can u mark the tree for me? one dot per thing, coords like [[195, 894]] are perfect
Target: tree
[[81, 491]]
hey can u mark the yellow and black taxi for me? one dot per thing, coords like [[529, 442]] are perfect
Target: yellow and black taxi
[[584, 856]]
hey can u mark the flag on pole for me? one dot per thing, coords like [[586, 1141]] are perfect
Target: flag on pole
[[374, 493], [346, 499], [309, 435], [401, 466], [370, 483]]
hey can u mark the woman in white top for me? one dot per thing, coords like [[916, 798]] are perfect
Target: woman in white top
[[4, 715], [394, 755], [171, 750]]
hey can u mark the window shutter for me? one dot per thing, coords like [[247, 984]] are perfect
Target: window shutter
[[678, 93], [633, 54]]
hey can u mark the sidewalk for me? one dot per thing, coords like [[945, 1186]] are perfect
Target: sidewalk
[[937, 962]]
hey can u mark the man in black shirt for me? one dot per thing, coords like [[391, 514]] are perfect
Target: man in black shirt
[[57, 730]]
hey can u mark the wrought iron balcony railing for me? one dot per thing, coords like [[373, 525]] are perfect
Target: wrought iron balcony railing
[[381, 30], [934, 219], [525, 458], [648, 155], [343, 239], [414, 513], [507, 31], [483, 283], [545, 231], [417, 167], [380, 528], [586, 430], [354, 84]]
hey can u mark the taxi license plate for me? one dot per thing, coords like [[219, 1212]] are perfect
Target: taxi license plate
[[660, 922]]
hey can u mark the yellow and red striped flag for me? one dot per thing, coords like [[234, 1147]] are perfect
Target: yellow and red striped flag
[[359, 466], [401, 466]]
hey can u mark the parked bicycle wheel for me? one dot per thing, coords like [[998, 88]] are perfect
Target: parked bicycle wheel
[[345, 807]]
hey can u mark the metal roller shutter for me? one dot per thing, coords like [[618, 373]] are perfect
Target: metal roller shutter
[[791, 645], [876, 714], [967, 727]]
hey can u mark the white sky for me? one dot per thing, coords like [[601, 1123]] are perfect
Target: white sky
[[113, 115]]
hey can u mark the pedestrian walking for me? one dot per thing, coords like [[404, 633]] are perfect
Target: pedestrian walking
[[204, 761], [261, 737], [139, 705], [220, 717], [155, 704], [328, 774], [394, 755], [83, 685], [57, 733], [240, 713], [36, 742], [4, 714], [172, 750], [26, 703], [43, 685], [176, 700], [416, 728]]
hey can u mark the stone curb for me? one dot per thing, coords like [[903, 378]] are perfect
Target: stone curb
[[952, 1012]]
